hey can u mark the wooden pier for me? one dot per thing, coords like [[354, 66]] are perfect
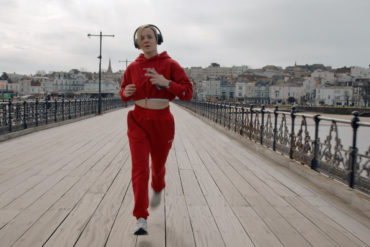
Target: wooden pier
[[71, 186]]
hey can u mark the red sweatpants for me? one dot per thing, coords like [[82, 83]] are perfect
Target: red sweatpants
[[150, 132]]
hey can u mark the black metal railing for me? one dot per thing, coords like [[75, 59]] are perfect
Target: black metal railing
[[327, 145], [21, 115]]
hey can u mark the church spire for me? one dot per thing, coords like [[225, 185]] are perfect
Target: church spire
[[109, 67]]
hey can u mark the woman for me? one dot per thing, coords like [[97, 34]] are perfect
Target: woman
[[152, 80]]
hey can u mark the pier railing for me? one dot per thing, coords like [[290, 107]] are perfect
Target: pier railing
[[15, 116], [328, 145]]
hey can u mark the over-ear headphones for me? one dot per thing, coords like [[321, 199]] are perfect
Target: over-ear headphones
[[159, 35]]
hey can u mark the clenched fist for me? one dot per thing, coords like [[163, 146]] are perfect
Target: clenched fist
[[130, 89]]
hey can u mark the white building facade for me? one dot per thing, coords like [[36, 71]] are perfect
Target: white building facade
[[106, 87], [334, 96], [324, 76], [240, 90], [209, 89], [361, 73], [280, 94]]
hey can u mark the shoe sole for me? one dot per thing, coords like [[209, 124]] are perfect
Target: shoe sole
[[154, 205], [141, 231]]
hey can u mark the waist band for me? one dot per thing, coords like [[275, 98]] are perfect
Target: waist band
[[139, 109], [152, 103], [155, 99]]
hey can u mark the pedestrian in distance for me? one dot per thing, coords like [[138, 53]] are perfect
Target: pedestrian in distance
[[151, 81]]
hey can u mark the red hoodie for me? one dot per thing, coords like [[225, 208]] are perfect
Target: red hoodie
[[164, 65]]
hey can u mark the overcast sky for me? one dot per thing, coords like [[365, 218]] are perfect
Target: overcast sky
[[51, 35]]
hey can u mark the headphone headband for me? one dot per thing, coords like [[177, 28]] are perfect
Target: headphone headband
[[159, 35]]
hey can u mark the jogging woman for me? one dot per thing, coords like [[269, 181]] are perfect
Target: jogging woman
[[151, 81]]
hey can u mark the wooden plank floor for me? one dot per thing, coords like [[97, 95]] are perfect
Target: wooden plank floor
[[70, 186]]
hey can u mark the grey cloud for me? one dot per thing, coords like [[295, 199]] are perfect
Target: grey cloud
[[197, 33]]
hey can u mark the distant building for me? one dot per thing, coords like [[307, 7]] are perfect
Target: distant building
[[360, 73], [361, 92], [262, 92], [240, 90], [207, 90], [323, 76], [281, 94], [334, 96], [227, 91], [214, 72]]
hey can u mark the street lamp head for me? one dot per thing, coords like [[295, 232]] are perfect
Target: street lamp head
[[89, 35]]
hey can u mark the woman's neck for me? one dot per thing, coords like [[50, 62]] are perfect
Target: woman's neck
[[151, 54]]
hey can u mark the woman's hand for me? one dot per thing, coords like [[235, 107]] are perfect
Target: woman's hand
[[130, 89], [157, 79]]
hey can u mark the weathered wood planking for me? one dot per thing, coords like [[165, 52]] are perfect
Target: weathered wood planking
[[71, 186]]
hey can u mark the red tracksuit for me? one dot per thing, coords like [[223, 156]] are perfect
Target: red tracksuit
[[151, 132]]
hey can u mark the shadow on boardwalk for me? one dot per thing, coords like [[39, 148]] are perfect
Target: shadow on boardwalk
[[70, 186]]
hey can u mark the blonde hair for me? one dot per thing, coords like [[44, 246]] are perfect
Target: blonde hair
[[140, 31]]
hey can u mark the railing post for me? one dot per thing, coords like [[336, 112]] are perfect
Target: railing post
[[213, 111], [10, 115], [62, 109], [90, 106], [17, 111], [208, 110], [75, 108], [69, 109], [224, 114], [216, 117], [24, 115], [262, 123], [251, 123], [80, 107], [206, 104], [315, 160], [229, 124], [46, 111], [353, 154], [235, 117], [212, 116], [242, 123], [199, 107], [4, 113], [275, 128], [55, 110], [291, 150], [37, 112], [204, 108], [84, 106]]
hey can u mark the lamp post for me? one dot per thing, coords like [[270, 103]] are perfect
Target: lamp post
[[100, 57]]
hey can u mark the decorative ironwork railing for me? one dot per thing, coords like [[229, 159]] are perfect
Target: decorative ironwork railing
[[21, 115], [327, 145]]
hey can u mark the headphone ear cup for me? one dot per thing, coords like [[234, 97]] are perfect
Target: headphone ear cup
[[160, 39], [136, 44]]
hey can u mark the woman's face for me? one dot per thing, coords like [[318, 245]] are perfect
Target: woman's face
[[148, 42]]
